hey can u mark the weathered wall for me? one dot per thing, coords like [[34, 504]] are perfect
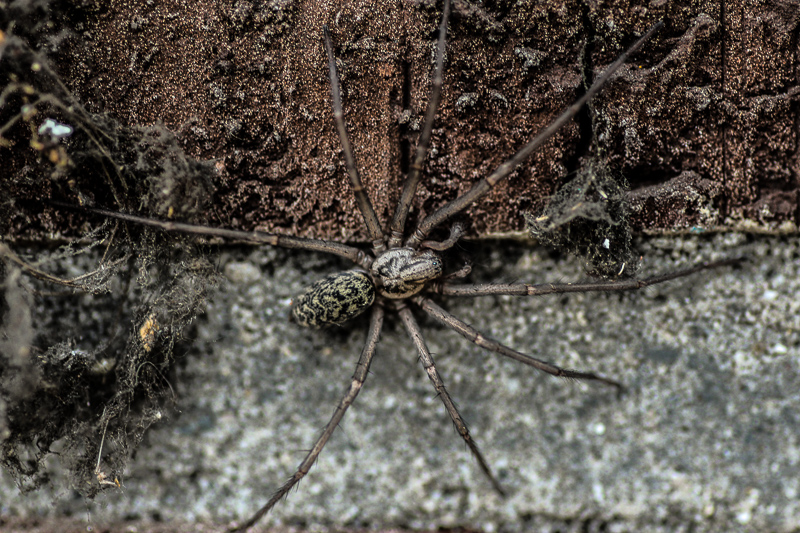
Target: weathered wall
[[702, 124]]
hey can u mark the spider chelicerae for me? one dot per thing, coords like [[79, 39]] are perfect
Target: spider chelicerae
[[404, 267]]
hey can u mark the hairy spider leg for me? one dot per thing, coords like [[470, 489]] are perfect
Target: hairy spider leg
[[359, 377], [410, 185], [525, 289], [352, 253], [398, 224], [478, 338], [362, 198], [430, 368], [483, 186], [448, 288]]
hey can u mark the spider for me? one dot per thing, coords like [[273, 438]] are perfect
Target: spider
[[404, 267]]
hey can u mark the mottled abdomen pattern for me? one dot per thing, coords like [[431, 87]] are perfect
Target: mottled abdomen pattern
[[334, 300]]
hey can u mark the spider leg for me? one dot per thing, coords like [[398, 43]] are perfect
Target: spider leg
[[362, 199], [525, 289], [360, 375], [475, 336], [285, 241], [6, 254], [484, 185], [438, 384], [412, 181]]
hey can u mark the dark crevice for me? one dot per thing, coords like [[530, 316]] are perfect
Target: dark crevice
[[794, 106], [723, 200], [405, 145], [583, 119], [406, 84]]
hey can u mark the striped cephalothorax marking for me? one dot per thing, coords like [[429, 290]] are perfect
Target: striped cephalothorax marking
[[403, 268], [403, 272]]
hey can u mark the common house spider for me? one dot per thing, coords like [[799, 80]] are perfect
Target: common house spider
[[404, 267]]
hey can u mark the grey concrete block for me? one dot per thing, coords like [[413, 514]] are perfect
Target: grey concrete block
[[705, 438]]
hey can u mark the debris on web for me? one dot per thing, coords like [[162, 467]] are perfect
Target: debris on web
[[87, 397], [588, 217]]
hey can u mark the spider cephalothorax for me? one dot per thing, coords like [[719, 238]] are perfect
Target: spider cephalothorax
[[403, 272], [404, 268]]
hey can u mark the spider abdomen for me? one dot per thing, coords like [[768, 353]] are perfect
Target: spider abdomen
[[334, 300]]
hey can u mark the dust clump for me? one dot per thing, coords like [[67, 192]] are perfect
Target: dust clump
[[84, 388], [588, 217]]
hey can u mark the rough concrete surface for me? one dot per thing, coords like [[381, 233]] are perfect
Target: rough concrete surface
[[705, 438]]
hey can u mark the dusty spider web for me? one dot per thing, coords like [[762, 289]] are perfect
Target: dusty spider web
[[404, 268]]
